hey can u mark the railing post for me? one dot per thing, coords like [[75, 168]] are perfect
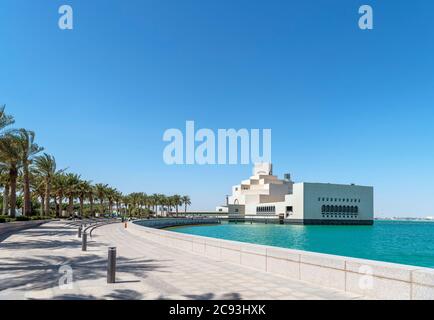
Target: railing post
[[84, 242], [111, 265]]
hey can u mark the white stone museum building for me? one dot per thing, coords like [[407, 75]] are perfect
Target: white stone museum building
[[265, 196]]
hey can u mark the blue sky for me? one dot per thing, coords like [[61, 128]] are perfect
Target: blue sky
[[344, 105]]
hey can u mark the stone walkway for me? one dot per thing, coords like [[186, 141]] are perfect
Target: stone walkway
[[32, 261]]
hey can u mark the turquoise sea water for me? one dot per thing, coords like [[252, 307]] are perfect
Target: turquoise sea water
[[392, 241]]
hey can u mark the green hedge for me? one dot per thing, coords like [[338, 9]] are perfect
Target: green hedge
[[4, 219], [41, 218], [22, 218]]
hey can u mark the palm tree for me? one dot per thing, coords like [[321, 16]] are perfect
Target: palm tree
[[21, 168], [84, 188], [45, 165], [161, 201], [4, 183], [131, 202], [37, 184], [5, 121], [59, 186], [154, 202], [126, 202], [142, 201], [10, 159], [118, 199], [100, 192], [186, 201], [110, 195], [176, 201], [90, 196], [72, 182], [28, 149], [168, 203]]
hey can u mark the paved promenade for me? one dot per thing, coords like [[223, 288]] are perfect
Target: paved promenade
[[30, 262]]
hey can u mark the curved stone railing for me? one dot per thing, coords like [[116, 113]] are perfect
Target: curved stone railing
[[173, 222], [372, 279], [92, 228]]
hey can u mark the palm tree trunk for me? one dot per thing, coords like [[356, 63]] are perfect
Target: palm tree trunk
[[185, 211], [55, 205], [13, 173], [81, 206], [59, 208], [6, 199], [42, 205], [102, 207], [47, 197], [91, 205], [71, 206], [27, 210]]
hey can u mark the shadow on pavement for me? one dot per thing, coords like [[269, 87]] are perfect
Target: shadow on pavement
[[43, 272], [120, 294]]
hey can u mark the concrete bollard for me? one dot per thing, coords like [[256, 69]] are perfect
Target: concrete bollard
[[111, 265], [126, 224], [84, 242], [79, 231]]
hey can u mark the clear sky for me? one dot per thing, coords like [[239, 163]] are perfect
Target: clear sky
[[344, 105]]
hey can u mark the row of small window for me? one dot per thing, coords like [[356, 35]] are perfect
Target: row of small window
[[340, 209], [266, 209], [339, 216], [266, 214], [339, 199]]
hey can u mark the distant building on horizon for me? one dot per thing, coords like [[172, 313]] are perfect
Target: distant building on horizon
[[264, 196]]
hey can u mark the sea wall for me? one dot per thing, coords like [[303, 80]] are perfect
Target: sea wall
[[166, 223], [372, 279], [275, 220]]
